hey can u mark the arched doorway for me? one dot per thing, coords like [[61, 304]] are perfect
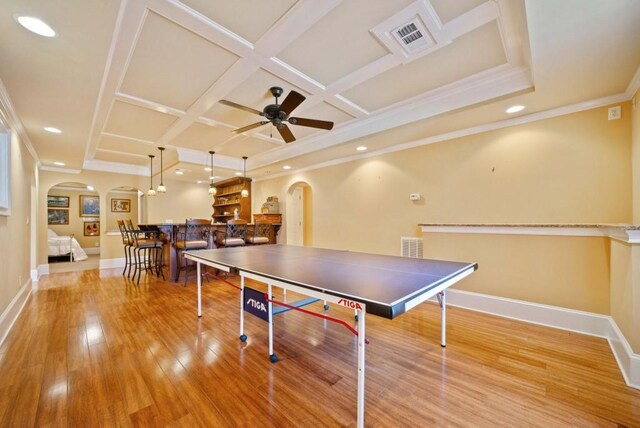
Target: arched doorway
[[299, 214], [73, 227]]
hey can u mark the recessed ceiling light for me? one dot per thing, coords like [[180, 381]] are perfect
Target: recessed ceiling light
[[207, 168], [238, 173], [59, 163], [515, 109], [179, 172], [52, 130], [286, 167], [200, 181], [36, 25], [361, 148], [91, 188]]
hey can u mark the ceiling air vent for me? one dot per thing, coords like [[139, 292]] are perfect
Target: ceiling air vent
[[411, 36]]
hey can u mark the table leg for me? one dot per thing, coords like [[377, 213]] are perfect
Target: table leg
[[243, 337], [442, 300], [199, 289], [361, 366], [272, 356]]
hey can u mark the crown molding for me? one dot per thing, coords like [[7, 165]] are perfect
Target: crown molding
[[533, 117], [114, 167], [9, 114], [634, 84]]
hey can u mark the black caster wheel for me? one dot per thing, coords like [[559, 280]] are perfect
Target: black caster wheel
[[326, 307], [273, 358], [356, 317], [243, 338]]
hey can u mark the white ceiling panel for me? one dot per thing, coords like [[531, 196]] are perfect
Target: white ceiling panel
[[137, 122], [231, 116], [328, 50], [202, 137], [163, 71], [447, 9], [476, 51], [249, 19], [120, 157], [244, 146]]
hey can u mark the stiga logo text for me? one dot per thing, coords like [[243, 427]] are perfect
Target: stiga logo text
[[349, 304], [256, 304]]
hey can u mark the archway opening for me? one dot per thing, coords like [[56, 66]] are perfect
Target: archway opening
[[73, 227], [299, 218]]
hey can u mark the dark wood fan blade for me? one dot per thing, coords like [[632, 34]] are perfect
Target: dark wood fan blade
[[287, 136], [312, 123], [241, 107], [292, 101], [248, 127]]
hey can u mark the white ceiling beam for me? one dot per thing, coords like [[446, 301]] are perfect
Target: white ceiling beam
[[151, 105]]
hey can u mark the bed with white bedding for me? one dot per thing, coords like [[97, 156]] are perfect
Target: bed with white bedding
[[65, 246]]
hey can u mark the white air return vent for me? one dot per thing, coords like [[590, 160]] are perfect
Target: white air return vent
[[413, 37], [414, 31], [411, 247]]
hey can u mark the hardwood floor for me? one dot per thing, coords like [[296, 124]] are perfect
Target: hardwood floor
[[92, 349]]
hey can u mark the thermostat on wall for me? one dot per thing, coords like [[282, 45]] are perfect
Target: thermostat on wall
[[414, 197]]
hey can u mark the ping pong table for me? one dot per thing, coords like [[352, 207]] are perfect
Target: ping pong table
[[385, 286]]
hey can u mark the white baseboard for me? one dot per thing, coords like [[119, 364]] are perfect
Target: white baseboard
[[112, 263], [553, 316], [43, 270], [92, 250], [34, 275], [10, 315]]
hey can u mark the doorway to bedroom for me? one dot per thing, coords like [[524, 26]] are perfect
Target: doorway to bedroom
[[73, 227]]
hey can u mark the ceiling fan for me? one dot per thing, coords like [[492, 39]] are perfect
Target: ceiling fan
[[278, 114]]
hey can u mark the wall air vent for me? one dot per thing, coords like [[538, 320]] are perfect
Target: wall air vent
[[411, 247]]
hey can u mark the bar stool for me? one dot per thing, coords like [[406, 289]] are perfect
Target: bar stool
[[258, 234], [126, 243], [195, 236], [147, 251], [233, 236]]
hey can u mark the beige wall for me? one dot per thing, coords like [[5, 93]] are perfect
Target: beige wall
[[182, 201], [572, 168], [635, 158], [76, 222], [567, 271], [113, 217], [15, 229]]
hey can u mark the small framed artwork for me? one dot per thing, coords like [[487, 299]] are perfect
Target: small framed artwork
[[58, 201], [57, 216], [89, 206], [91, 228], [120, 205]]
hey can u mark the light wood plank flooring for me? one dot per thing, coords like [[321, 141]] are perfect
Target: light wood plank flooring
[[93, 349]]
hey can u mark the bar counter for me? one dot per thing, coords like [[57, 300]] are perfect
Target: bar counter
[[169, 232]]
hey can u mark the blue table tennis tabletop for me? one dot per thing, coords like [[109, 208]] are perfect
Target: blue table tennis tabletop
[[385, 284]]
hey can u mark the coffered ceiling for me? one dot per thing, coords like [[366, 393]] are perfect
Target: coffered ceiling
[[122, 78]]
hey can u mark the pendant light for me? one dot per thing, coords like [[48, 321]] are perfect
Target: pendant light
[[151, 192], [212, 188], [245, 192], [161, 188]]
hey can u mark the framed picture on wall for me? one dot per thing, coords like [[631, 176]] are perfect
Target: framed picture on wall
[[57, 216], [58, 201], [120, 205], [91, 228], [89, 206]]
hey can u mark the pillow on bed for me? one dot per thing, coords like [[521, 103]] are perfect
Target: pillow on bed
[[51, 234]]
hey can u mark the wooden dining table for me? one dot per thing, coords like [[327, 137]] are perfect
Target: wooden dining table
[[169, 233]]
